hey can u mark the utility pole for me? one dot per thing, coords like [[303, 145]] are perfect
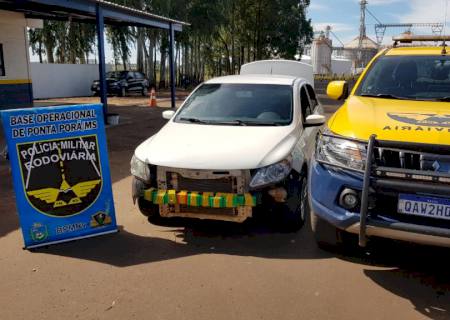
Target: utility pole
[[327, 32], [362, 31]]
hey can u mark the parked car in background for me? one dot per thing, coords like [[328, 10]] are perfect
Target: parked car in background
[[238, 145], [123, 82], [382, 165]]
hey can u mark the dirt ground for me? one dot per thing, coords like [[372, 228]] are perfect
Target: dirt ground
[[205, 270], [134, 100]]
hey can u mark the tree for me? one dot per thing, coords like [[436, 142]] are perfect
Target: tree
[[71, 42], [36, 38], [120, 39], [224, 34]]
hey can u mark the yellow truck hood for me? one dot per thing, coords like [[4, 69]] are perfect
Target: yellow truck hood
[[396, 120]]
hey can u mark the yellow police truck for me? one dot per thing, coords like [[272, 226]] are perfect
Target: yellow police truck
[[382, 165]]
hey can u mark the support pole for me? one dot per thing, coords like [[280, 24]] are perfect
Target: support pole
[[101, 59], [171, 64]]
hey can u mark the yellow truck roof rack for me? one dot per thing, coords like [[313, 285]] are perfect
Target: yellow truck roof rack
[[409, 38]]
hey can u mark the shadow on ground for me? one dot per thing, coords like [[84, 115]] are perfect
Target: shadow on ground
[[419, 274], [427, 290], [192, 237]]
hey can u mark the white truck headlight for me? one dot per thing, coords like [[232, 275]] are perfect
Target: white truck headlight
[[341, 152], [140, 169], [271, 174]]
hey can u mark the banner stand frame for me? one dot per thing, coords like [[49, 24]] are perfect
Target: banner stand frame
[[37, 246]]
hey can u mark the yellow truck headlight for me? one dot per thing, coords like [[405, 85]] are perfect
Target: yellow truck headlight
[[341, 152]]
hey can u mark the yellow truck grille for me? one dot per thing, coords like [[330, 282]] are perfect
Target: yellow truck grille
[[437, 161]]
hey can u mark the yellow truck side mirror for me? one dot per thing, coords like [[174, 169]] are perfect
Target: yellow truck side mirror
[[337, 90]]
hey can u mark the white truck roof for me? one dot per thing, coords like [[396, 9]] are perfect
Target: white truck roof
[[280, 67], [255, 79]]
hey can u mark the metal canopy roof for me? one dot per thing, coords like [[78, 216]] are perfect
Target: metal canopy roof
[[85, 11], [99, 12]]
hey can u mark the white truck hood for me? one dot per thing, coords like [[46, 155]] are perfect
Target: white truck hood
[[214, 147]]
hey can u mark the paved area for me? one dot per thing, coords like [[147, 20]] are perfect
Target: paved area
[[133, 100], [205, 270]]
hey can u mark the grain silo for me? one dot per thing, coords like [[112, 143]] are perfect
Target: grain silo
[[321, 50], [360, 51]]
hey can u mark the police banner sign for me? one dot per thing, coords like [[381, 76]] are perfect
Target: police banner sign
[[60, 171]]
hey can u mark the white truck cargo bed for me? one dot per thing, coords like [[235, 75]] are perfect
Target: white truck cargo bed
[[280, 67]]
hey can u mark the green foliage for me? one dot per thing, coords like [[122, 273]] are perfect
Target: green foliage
[[234, 32], [120, 39], [224, 34], [69, 42]]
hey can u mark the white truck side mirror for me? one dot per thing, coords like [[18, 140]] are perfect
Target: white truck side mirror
[[168, 114], [315, 120]]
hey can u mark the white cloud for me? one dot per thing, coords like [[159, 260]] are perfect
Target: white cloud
[[317, 7], [416, 11], [425, 11], [372, 3], [382, 2], [335, 26]]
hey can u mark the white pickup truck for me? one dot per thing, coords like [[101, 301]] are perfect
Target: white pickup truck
[[238, 145]]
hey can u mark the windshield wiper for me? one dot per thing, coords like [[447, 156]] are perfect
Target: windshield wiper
[[195, 120], [234, 122], [231, 122], [382, 96], [256, 123], [444, 99]]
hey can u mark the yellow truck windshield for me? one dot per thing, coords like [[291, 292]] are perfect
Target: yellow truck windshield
[[408, 77]]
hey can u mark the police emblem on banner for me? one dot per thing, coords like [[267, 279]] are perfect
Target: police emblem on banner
[[61, 177], [100, 219], [39, 232]]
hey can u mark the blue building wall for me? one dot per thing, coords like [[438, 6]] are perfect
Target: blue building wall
[[15, 94]]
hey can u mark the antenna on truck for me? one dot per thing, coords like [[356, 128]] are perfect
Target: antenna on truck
[[444, 44]]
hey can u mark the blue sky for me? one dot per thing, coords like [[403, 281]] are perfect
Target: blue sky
[[343, 15]]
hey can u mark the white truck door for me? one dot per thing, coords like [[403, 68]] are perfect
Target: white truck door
[[308, 107]]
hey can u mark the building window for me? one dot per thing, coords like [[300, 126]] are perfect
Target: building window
[[2, 62]]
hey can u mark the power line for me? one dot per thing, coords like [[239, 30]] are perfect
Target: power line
[[336, 37], [380, 29], [373, 16]]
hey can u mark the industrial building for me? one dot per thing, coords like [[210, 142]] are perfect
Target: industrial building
[[340, 66], [357, 52], [329, 60], [360, 51], [15, 76]]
